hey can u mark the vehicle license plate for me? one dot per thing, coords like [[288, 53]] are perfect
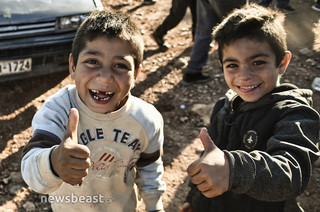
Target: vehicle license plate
[[15, 66]]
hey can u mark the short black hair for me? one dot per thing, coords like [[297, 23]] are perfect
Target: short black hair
[[110, 24], [254, 22]]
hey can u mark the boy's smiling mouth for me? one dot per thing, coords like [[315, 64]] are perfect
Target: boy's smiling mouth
[[248, 88], [101, 96]]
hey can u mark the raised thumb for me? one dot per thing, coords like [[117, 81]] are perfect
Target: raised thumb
[[206, 140], [73, 125]]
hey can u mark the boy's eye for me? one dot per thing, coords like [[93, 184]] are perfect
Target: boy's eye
[[121, 66], [231, 65], [93, 62], [259, 62]]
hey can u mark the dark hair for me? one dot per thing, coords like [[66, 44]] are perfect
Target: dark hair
[[111, 24], [254, 22]]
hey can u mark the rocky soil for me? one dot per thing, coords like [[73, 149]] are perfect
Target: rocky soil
[[185, 108]]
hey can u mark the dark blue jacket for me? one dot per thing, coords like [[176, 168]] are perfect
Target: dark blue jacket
[[270, 144]]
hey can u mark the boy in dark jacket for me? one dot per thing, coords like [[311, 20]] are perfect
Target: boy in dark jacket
[[263, 134]]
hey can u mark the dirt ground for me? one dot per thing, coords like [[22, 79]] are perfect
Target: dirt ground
[[185, 109]]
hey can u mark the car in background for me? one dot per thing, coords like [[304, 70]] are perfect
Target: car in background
[[36, 35]]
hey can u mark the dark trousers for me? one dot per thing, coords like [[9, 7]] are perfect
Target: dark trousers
[[177, 12]]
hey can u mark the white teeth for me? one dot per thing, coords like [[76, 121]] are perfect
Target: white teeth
[[95, 91], [249, 87], [102, 99]]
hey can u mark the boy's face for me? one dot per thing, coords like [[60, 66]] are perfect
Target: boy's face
[[250, 68], [104, 74]]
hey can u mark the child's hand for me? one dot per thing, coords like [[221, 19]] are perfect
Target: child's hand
[[70, 160], [210, 172]]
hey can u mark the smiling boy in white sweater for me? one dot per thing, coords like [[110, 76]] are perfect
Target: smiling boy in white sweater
[[91, 138]]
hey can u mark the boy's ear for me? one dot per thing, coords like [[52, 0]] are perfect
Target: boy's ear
[[138, 71], [72, 67], [285, 62]]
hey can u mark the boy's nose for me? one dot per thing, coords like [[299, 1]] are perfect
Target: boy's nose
[[245, 72], [105, 75]]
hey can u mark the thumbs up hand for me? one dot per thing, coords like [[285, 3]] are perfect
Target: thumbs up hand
[[70, 160], [211, 172]]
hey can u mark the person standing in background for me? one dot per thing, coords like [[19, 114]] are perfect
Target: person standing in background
[[209, 14], [177, 11]]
